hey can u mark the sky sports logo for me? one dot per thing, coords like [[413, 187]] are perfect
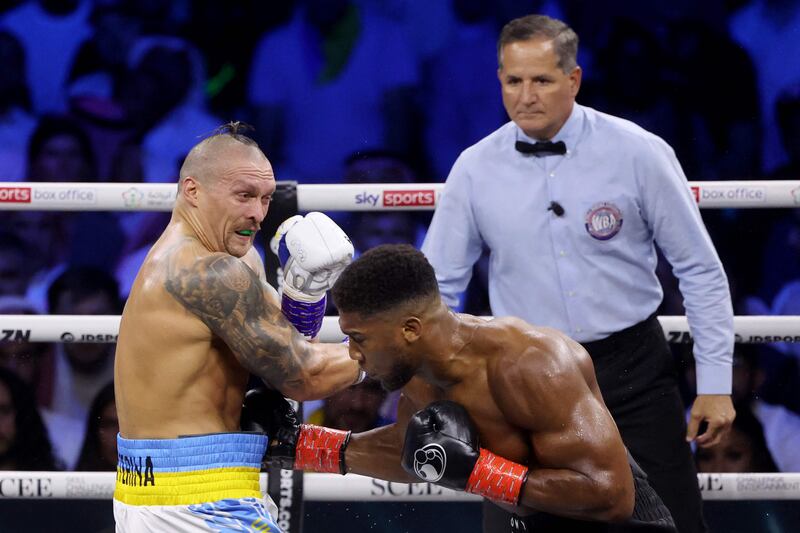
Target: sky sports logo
[[15, 195], [417, 198]]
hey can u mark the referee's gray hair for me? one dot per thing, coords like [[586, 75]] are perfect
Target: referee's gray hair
[[565, 40]]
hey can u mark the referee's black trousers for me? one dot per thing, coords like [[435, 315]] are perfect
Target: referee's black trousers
[[638, 378]]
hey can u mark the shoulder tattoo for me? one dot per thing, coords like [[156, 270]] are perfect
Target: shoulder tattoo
[[232, 301]]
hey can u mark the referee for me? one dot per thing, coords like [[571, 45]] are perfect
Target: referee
[[570, 203]]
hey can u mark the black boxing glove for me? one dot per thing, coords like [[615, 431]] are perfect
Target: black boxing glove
[[292, 446], [267, 411], [441, 446]]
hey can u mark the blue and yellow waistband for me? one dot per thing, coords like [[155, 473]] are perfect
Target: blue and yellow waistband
[[189, 470]]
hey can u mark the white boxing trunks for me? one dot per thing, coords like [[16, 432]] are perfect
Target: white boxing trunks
[[192, 484]]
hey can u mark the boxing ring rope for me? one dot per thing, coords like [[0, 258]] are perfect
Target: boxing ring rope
[[104, 328], [31, 196], [335, 488]]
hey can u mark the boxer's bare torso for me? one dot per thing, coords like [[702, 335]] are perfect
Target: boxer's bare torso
[[530, 391], [499, 350], [497, 364], [173, 375]]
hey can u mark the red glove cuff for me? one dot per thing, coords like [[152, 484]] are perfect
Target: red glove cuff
[[496, 478], [321, 449]]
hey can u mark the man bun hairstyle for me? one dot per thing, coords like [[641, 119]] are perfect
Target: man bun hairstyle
[[237, 130], [385, 277]]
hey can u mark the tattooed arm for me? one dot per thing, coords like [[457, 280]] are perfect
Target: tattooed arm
[[236, 305]]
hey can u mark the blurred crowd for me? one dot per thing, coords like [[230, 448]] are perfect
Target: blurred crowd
[[366, 91]]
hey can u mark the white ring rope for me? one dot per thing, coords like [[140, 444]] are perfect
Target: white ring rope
[[333, 487], [34, 196], [104, 328]]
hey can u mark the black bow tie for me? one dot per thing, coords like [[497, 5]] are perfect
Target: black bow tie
[[541, 148]]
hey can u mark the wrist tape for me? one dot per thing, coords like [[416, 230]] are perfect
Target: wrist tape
[[321, 449], [496, 478], [306, 317]]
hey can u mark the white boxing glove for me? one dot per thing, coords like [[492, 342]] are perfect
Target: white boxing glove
[[313, 251]]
